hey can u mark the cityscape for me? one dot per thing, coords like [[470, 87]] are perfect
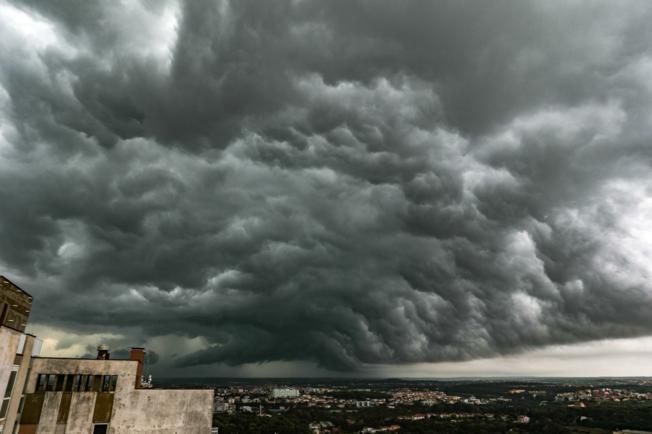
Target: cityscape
[[548, 405]]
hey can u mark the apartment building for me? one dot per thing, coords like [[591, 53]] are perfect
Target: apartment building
[[16, 351], [47, 395]]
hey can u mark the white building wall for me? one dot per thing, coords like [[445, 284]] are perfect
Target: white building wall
[[9, 340], [80, 417], [48, 420], [162, 412]]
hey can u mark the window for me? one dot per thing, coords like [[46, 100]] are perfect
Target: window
[[75, 383], [69, 382], [10, 384], [97, 383], [114, 383], [72, 383], [52, 380], [100, 429], [89, 383], [5, 401], [3, 408], [83, 383], [41, 381], [106, 383], [60, 381]]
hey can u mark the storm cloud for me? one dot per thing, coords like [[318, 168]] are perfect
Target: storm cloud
[[348, 183]]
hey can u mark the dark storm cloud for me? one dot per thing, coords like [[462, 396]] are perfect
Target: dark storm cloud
[[343, 182]]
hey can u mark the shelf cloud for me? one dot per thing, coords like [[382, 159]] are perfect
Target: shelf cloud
[[346, 183]]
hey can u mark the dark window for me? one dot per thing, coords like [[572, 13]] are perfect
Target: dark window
[[100, 429], [3, 408], [69, 382], [52, 380], [10, 384], [97, 383], [41, 381], [83, 383], [89, 383], [60, 381], [106, 383], [114, 383], [75, 383], [92, 383]]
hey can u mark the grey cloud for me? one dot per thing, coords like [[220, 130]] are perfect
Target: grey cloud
[[345, 183]]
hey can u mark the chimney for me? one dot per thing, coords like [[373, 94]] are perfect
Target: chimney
[[138, 354], [103, 352]]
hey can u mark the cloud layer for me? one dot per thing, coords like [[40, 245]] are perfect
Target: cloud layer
[[347, 183]]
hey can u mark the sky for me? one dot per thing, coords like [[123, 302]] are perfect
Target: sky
[[332, 188]]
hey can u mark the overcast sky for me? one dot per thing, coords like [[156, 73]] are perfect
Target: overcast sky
[[341, 187]]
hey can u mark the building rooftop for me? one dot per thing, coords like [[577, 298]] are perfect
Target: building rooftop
[[6, 283], [15, 305]]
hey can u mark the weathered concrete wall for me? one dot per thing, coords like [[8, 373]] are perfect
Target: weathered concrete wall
[[163, 412], [81, 412], [21, 378], [47, 424], [135, 411], [8, 343]]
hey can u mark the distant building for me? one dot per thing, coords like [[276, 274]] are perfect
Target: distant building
[[632, 431], [323, 427], [523, 419], [84, 396], [284, 393], [516, 391], [388, 428], [220, 406]]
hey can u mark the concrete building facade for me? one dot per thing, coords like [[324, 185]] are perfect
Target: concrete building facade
[[75, 396], [15, 305], [28, 347], [16, 349], [42, 395]]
